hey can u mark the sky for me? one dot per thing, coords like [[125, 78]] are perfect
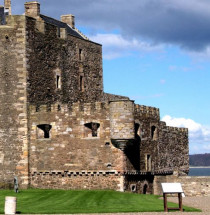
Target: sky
[[157, 52]]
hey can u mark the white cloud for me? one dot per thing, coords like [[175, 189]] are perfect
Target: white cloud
[[115, 45], [199, 135], [182, 122]]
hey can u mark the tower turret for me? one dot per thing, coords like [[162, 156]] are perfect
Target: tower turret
[[122, 122]]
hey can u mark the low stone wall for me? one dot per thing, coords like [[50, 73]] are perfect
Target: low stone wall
[[192, 185], [77, 180]]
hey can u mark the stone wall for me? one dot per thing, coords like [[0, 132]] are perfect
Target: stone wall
[[162, 148], [70, 145], [173, 149], [145, 118], [142, 184], [77, 180], [192, 185], [13, 99], [77, 62]]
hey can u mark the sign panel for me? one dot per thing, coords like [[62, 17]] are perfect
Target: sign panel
[[172, 188]]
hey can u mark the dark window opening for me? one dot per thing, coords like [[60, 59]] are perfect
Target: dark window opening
[[145, 189], [154, 133], [80, 54], [59, 32], [92, 129], [107, 143], [133, 187], [59, 108], [43, 131], [37, 108], [81, 83]]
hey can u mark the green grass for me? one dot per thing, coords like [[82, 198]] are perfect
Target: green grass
[[36, 201]]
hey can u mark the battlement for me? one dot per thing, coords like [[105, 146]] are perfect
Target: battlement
[[176, 130], [149, 112], [172, 129], [87, 108]]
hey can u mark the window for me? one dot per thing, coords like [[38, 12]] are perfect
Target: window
[[58, 32], [133, 188], [59, 107], [91, 129], [148, 162], [154, 135], [80, 54], [58, 81], [57, 73], [43, 131], [81, 83], [37, 108]]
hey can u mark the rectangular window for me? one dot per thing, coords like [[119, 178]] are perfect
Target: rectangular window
[[58, 32], [81, 83], [58, 81], [91, 129], [80, 54], [43, 131]]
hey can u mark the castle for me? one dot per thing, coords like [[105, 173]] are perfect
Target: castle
[[59, 129]]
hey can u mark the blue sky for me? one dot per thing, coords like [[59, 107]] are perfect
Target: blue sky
[[155, 52]]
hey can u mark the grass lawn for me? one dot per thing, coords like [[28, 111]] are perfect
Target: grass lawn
[[36, 201]]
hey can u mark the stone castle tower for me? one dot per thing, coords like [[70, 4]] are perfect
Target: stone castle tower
[[59, 129]]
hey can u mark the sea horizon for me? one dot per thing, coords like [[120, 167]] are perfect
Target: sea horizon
[[199, 166]]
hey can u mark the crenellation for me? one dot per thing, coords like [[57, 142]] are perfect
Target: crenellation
[[147, 111]]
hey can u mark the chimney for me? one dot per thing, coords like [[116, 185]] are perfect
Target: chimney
[[7, 7], [32, 9], [68, 19]]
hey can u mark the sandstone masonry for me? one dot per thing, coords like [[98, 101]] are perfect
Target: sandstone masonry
[[59, 129], [192, 186]]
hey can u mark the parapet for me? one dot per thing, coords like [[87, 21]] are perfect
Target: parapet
[[174, 130], [147, 112], [78, 107]]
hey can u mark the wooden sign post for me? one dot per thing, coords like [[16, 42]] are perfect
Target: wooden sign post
[[172, 188]]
